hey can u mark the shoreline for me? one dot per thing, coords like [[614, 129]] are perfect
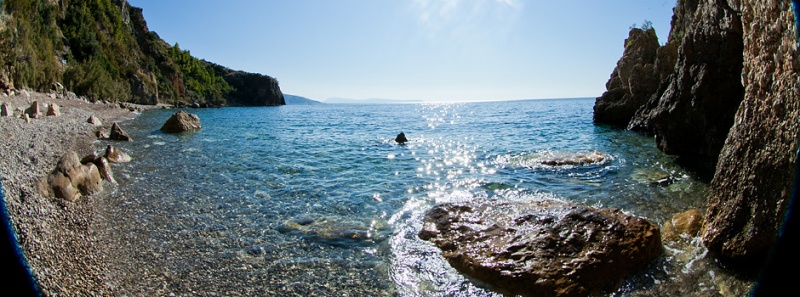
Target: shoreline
[[63, 250]]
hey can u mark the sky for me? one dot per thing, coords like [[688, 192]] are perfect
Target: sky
[[430, 50]]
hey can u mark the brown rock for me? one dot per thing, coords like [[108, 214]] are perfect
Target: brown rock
[[752, 186], [181, 121], [544, 247], [53, 110], [115, 155], [71, 179], [94, 121], [689, 222], [34, 111], [118, 134], [6, 110]]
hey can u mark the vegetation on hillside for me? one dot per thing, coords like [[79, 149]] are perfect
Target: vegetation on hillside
[[102, 49]]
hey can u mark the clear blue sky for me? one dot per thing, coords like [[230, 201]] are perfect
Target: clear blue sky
[[433, 50]]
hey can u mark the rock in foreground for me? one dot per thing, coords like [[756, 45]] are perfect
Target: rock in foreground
[[544, 247], [180, 122]]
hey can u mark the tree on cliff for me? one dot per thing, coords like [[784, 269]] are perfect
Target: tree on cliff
[[102, 49]]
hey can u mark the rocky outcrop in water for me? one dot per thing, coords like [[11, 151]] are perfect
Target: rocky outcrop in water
[[544, 247], [635, 79], [118, 134], [692, 116], [730, 109], [181, 121], [752, 184]]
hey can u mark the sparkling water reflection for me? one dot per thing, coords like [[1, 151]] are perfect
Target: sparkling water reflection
[[320, 200]]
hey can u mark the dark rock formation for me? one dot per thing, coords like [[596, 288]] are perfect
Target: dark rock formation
[[251, 89], [70, 180], [692, 117], [753, 181], [401, 138], [635, 79], [181, 121], [118, 134], [542, 248]]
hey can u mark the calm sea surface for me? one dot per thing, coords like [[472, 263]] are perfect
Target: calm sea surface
[[319, 200]]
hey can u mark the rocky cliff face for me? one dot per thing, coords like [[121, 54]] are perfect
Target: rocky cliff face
[[730, 106], [753, 180], [635, 79], [103, 50]]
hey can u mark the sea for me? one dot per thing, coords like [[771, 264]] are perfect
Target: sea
[[319, 200]]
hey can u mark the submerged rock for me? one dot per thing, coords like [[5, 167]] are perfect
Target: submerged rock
[[181, 121], [335, 230], [542, 247]]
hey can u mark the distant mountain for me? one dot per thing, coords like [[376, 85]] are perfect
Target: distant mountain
[[370, 100], [299, 100]]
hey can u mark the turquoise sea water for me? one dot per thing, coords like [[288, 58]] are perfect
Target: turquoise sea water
[[319, 200]]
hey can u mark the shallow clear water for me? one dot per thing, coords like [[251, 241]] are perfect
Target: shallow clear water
[[320, 200]]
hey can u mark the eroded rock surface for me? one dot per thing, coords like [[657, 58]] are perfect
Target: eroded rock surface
[[181, 121], [542, 247]]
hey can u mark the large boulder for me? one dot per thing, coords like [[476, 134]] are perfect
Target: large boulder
[[71, 179], [118, 134], [692, 115], [752, 185], [181, 121], [542, 247]]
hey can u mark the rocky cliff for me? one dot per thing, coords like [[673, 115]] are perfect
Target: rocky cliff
[[729, 107], [103, 50]]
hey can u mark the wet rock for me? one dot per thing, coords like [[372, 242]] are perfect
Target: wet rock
[[575, 159], [543, 247], [94, 121], [118, 134], [70, 180], [53, 110], [336, 231], [103, 166], [115, 155], [686, 223], [181, 121], [401, 138]]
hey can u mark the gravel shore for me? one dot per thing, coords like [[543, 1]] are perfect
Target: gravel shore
[[64, 248]]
